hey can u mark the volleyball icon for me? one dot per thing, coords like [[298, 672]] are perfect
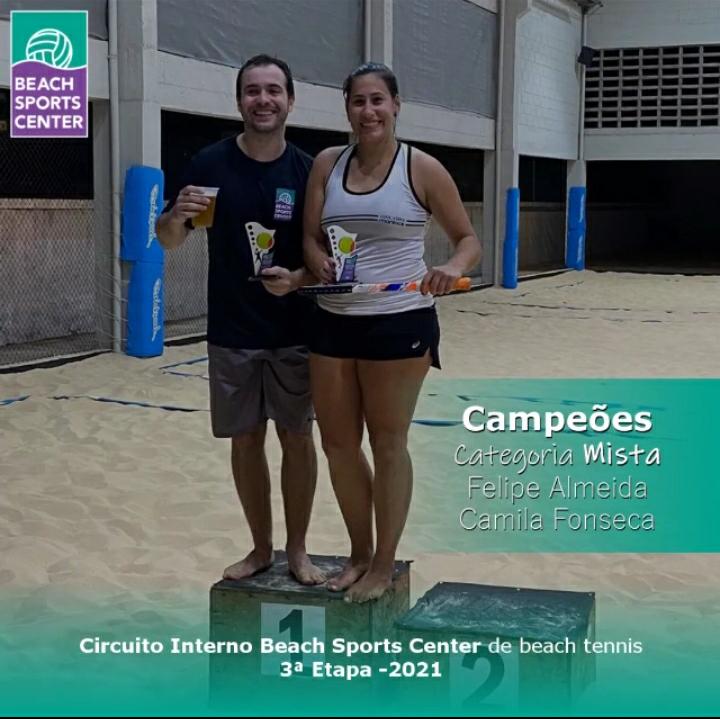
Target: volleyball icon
[[51, 47]]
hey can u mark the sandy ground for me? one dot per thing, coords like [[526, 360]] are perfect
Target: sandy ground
[[135, 503], [586, 325]]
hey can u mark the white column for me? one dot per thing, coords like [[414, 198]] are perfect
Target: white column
[[502, 166], [137, 70], [102, 205], [379, 31]]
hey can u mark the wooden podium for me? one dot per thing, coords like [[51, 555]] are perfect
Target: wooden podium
[[273, 605], [510, 618]]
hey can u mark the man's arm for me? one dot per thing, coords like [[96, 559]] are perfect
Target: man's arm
[[171, 228]]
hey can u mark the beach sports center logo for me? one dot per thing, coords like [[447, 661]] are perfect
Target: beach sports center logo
[[284, 203], [49, 85]]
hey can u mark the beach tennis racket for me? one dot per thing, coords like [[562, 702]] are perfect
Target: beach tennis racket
[[345, 288]]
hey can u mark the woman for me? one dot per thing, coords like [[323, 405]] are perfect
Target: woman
[[370, 353]]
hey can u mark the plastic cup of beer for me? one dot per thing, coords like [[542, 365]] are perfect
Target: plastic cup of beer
[[205, 218]]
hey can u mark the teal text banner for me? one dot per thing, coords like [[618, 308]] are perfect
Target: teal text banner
[[96, 660], [566, 466]]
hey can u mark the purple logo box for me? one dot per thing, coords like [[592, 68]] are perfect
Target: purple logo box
[[48, 102]]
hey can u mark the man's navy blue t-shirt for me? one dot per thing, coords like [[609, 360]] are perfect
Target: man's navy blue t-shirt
[[242, 314]]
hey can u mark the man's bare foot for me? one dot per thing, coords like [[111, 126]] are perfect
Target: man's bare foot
[[303, 569], [352, 572], [254, 563], [372, 585]]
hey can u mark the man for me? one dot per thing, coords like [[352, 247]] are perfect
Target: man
[[257, 358]]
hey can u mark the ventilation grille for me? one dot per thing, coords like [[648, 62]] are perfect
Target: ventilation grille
[[654, 87]]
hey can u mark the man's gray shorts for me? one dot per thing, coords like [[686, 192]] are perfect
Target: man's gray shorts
[[248, 387]]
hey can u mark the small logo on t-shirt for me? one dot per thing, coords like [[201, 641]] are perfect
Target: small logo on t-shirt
[[284, 203]]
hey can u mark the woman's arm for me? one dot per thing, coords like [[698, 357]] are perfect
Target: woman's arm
[[438, 192], [314, 243]]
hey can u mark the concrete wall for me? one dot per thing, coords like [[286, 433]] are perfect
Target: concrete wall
[[653, 23], [188, 85], [697, 143], [547, 80], [649, 23]]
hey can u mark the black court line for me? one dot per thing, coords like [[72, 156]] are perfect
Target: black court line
[[131, 403]]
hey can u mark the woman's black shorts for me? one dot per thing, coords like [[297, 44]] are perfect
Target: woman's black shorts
[[377, 337]]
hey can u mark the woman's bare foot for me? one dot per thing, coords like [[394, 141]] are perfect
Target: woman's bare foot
[[353, 571], [372, 585], [254, 563]]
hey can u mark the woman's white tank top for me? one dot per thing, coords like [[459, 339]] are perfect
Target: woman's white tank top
[[389, 226]]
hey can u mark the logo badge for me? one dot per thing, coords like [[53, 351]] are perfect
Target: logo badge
[[284, 203], [49, 73]]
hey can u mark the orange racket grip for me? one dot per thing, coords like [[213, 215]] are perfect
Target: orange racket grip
[[463, 283]]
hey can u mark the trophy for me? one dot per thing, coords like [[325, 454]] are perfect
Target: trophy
[[342, 245], [262, 244]]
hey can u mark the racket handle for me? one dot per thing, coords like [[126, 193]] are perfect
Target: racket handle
[[463, 283]]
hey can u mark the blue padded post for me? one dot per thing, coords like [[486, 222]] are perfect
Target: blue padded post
[[512, 239]]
